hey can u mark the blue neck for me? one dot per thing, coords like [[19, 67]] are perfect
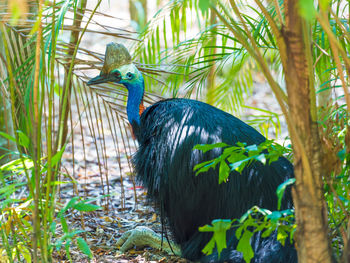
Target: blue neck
[[136, 90]]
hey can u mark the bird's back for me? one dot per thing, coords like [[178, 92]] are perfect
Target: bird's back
[[165, 160]]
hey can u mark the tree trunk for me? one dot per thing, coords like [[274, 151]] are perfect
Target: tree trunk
[[310, 208]]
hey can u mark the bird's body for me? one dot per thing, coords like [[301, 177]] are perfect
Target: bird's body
[[164, 164], [167, 132]]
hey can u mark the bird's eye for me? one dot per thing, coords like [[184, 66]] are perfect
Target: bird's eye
[[129, 75]]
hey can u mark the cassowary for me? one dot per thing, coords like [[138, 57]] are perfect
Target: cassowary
[[166, 132]]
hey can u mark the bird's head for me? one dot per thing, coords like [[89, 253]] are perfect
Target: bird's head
[[118, 68]]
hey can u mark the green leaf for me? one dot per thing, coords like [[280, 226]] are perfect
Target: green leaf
[[86, 207], [208, 147], [342, 154], [245, 216], [267, 232], [57, 157], [324, 4], [307, 9], [219, 227], [53, 227], [274, 216], [281, 236], [252, 147], [208, 249], [239, 231], [70, 204], [7, 136], [280, 190], [261, 158], [84, 247], [224, 171], [240, 165], [204, 5], [23, 139], [64, 225], [25, 253], [245, 247], [206, 228]]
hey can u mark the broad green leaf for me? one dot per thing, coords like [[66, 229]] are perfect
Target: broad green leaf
[[64, 225], [224, 172], [208, 147], [267, 232], [23, 139], [245, 247], [86, 207], [70, 204], [245, 215], [208, 249], [53, 227], [281, 236], [239, 231], [7, 136], [252, 147], [240, 165], [219, 227], [274, 216], [280, 190], [84, 247], [261, 158], [205, 166], [204, 5], [206, 228]]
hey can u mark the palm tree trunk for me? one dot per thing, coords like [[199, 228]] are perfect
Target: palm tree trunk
[[310, 208]]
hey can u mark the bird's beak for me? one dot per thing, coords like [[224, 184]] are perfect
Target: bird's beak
[[103, 78]]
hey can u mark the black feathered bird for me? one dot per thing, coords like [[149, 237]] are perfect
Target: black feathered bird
[[167, 131]]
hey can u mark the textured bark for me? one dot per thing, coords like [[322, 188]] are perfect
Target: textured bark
[[310, 208]]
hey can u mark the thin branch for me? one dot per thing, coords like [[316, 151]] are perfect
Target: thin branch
[[36, 148]]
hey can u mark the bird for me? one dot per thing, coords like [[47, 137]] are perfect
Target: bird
[[167, 132]]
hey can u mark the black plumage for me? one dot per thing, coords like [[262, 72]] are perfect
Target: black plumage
[[164, 164]]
